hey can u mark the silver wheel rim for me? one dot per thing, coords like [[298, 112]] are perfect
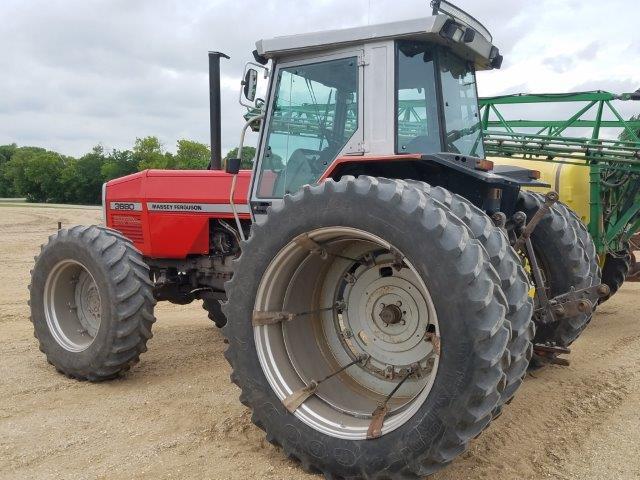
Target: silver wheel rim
[[72, 305], [386, 313]]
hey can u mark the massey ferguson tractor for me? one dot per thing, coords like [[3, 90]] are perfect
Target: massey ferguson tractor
[[383, 287]]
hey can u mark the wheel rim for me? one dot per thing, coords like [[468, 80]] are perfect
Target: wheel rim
[[385, 312], [72, 305]]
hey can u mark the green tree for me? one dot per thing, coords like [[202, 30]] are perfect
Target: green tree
[[35, 174], [6, 184], [192, 155], [248, 154], [87, 178], [70, 183], [150, 153], [118, 164]]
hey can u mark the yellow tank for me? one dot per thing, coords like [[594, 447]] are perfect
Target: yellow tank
[[571, 182]]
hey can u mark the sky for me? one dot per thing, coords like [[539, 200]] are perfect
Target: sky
[[77, 73]]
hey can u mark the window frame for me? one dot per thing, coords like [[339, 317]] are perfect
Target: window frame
[[352, 147], [396, 100], [442, 128], [443, 132]]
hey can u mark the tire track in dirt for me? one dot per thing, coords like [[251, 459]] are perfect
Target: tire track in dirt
[[557, 408]]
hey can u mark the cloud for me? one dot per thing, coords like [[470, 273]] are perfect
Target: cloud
[[105, 71]]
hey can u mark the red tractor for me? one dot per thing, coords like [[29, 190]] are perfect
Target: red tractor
[[371, 273]]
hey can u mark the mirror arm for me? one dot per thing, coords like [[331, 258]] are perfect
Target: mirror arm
[[236, 217]]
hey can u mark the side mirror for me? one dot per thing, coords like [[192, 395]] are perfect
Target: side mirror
[[250, 84]]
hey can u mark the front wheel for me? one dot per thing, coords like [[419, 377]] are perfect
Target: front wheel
[[367, 330], [91, 302]]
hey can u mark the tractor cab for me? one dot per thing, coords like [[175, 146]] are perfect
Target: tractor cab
[[361, 94]]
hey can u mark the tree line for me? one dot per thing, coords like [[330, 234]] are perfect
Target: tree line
[[41, 175]]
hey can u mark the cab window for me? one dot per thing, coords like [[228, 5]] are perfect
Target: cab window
[[314, 114], [463, 130], [417, 125]]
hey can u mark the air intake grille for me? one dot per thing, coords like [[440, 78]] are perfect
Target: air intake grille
[[129, 225]]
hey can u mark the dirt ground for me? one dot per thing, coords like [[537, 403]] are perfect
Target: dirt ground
[[176, 415]]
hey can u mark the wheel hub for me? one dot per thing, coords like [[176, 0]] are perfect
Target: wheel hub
[[391, 314], [386, 319], [87, 303], [72, 306]]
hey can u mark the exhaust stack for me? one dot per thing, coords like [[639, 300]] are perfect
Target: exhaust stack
[[215, 117]]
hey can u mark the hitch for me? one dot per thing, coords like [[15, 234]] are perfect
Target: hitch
[[547, 353], [567, 304], [575, 302]]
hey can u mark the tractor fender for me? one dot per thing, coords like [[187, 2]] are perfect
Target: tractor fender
[[470, 177], [474, 167]]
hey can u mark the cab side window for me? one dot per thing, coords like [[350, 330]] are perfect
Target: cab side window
[[315, 113]]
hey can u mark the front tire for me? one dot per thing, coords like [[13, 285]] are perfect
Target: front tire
[[431, 424], [91, 302]]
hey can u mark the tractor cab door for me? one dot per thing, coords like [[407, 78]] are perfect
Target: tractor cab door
[[314, 115]]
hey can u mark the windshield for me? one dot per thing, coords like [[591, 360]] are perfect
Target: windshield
[[420, 127], [314, 114], [463, 132]]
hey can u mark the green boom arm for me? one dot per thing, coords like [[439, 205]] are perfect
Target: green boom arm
[[614, 164]]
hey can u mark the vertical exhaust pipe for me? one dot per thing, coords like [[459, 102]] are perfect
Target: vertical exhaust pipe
[[215, 117]]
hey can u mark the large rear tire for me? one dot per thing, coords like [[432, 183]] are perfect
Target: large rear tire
[[91, 302], [363, 227], [567, 257], [513, 279]]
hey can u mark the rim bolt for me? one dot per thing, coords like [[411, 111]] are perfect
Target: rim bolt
[[347, 333]]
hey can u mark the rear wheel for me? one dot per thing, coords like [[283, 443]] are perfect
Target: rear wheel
[[374, 278], [567, 258], [513, 279], [614, 271], [91, 302]]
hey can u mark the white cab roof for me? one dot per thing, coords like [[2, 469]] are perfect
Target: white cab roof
[[423, 29]]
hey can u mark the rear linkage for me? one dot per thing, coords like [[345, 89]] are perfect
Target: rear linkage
[[548, 310]]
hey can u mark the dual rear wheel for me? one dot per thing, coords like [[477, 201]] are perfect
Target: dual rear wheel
[[380, 339]]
